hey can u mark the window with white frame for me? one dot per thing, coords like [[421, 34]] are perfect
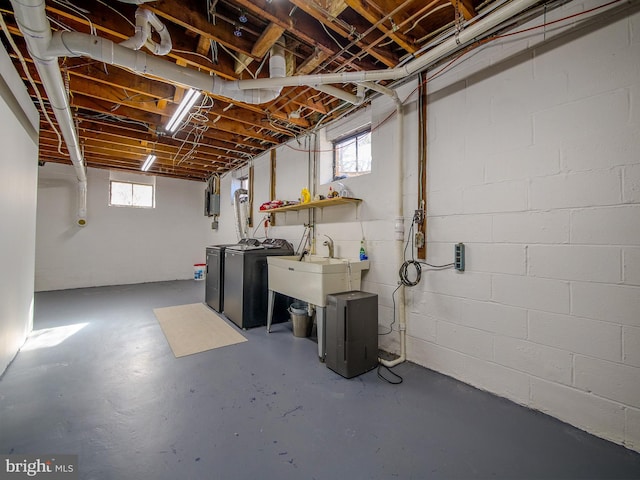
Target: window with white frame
[[352, 155], [128, 191]]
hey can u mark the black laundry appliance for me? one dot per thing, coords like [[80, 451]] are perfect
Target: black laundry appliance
[[214, 280], [352, 332], [246, 283]]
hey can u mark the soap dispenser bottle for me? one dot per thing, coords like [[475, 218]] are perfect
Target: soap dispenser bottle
[[363, 253]]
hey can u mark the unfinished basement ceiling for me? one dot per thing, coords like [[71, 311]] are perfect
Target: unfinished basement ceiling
[[120, 115]]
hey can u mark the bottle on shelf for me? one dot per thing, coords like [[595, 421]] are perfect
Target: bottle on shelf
[[363, 252]]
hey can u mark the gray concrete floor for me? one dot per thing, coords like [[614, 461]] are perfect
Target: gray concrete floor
[[114, 394]]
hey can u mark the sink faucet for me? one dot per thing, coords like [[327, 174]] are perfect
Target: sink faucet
[[329, 243]]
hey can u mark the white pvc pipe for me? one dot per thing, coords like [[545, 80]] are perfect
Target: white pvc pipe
[[402, 320], [341, 94], [143, 29], [45, 49], [165, 45], [81, 219], [32, 20], [75, 44], [469, 34], [145, 19]]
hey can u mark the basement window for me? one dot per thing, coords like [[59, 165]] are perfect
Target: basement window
[[129, 194], [352, 155]]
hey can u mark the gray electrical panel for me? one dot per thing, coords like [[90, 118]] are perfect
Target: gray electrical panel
[[211, 203], [352, 332]]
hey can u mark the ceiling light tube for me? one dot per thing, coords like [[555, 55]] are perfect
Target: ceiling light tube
[[148, 162], [185, 105]]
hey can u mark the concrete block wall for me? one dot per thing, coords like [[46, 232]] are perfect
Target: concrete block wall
[[534, 163]]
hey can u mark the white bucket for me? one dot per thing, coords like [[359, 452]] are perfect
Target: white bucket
[[199, 271], [299, 308]]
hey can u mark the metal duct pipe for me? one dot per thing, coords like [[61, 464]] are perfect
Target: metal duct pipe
[[32, 21], [469, 34], [75, 44], [240, 196]]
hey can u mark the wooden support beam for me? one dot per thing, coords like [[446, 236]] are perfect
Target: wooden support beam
[[327, 15], [466, 8], [272, 181], [204, 45], [304, 27], [269, 37], [182, 14], [242, 63], [385, 25], [312, 62]]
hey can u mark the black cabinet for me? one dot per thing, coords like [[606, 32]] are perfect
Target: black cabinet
[[352, 333]]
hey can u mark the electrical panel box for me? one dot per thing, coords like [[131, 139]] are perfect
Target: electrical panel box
[[211, 203], [352, 333]]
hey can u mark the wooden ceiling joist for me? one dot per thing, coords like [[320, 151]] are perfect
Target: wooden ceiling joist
[[121, 114]]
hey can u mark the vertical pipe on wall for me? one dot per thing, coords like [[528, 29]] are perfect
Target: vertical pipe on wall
[[250, 188], [402, 321], [32, 21], [272, 182], [422, 163]]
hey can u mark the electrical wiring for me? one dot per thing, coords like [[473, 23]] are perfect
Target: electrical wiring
[[262, 64], [261, 223], [305, 233], [398, 379], [115, 119], [80, 12], [403, 273], [253, 75], [429, 13], [461, 55], [188, 52], [199, 126], [23, 62], [119, 13], [329, 33], [211, 17], [393, 320], [59, 24]]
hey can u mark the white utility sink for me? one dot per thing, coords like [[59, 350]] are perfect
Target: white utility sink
[[314, 277]]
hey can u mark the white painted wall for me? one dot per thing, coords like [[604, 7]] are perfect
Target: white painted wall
[[346, 225], [18, 174], [119, 245], [533, 163]]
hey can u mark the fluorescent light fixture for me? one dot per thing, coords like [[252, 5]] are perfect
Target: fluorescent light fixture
[[148, 162], [185, 105]]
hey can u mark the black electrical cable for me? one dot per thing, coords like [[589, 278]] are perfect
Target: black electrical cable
[[404, 273], [304, 233], [393, 299], [398, 380]]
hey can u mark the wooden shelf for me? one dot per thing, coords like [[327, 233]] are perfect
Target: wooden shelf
[[328, 202]]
